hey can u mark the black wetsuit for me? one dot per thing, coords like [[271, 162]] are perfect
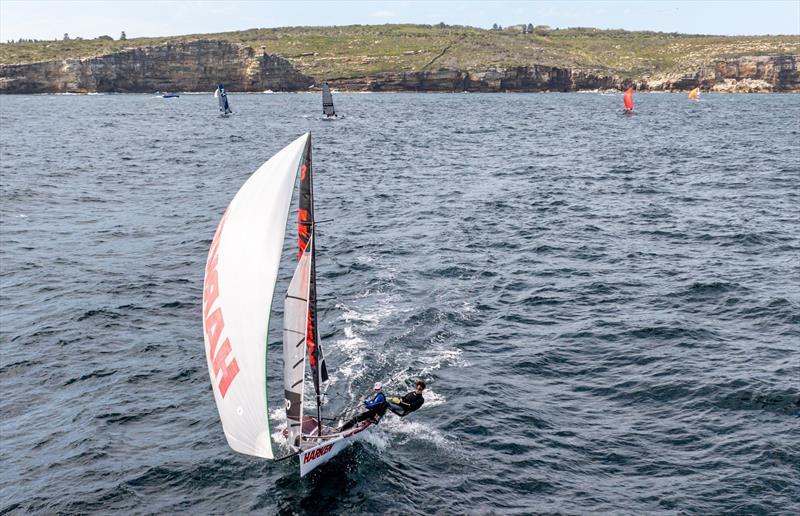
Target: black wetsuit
[[408, 404]]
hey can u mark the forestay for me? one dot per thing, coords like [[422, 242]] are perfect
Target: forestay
[[241, 272]]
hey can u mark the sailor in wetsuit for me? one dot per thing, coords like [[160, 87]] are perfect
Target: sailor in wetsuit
[[376, 408], [410, 402]]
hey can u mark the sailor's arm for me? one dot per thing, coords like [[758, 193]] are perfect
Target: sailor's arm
[[377, 400]]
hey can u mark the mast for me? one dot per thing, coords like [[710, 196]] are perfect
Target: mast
[[305, 215]]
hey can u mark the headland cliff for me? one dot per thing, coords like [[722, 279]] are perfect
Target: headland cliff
[[406, 58]]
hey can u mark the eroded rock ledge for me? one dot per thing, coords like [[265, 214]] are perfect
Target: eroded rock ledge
[[744, 74], [200, 65], [747, 74], [191, 66], [522, 79]]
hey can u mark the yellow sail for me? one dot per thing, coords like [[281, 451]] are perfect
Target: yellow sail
[[694, 94]]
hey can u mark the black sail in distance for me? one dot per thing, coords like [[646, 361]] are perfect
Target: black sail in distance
[[305, 228], [327, 101]]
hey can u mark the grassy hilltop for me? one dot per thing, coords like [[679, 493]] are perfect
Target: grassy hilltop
[[358, 50]]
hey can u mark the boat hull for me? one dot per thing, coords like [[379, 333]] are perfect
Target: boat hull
[[330, 445]]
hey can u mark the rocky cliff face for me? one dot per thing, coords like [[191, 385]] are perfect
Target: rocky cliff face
[[523, 79], [191, 66], [744, 74], [200, 65]]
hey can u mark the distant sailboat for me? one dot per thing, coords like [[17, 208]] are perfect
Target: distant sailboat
[[628, 99], [222, 97], [327, 102], [694, 94]]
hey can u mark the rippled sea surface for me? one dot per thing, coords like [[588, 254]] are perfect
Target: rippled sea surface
[[606, 308]]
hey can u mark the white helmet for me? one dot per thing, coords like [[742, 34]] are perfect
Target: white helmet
[[378, 386]]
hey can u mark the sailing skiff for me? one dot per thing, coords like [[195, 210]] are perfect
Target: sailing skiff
[[327, 102], [240, 278], [222, 98]]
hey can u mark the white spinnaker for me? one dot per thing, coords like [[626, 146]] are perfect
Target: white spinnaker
[[295, 326], [241, 273]]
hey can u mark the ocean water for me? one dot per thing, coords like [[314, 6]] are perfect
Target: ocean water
[[606, 308]]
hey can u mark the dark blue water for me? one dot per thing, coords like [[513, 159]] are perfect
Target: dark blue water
[[606, 308]]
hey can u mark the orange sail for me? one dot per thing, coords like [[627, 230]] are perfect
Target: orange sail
[[628, 99], [694, 94]]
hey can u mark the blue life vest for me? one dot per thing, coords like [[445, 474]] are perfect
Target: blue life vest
[[376, 401]]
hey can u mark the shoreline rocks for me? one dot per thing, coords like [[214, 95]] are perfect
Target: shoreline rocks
[[190, 66], [198, 66]]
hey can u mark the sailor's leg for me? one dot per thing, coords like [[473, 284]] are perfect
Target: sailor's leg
[[370, 414], [348, 425]]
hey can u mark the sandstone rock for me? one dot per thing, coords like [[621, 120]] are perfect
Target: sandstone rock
[[756, 74], [744, 74], [189, 66], [531, 78], [742, 86], [200, 65]]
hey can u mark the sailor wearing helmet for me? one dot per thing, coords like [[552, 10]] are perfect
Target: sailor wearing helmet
[[376, 408]]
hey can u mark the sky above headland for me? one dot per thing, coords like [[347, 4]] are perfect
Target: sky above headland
[[50, 19]]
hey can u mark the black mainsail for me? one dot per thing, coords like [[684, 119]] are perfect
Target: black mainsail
[[222, 97], [305, 229]]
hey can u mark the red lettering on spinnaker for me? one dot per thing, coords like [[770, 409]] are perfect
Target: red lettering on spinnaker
[[214, 326], [229, 371], [210, 291], [315, 454], [214, 323]]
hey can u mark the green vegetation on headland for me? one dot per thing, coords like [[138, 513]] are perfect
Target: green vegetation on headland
[[358, 50]]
